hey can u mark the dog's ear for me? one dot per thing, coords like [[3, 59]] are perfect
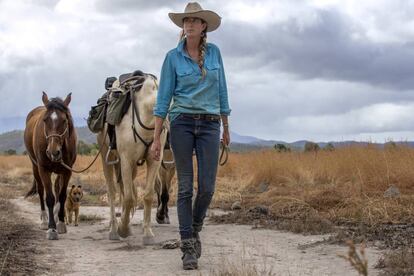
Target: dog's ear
[[79, 186]]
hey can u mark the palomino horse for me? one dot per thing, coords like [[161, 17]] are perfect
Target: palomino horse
[[50, 139], [134, 136]]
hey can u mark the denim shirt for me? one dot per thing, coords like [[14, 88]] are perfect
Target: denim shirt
[[182, 82]]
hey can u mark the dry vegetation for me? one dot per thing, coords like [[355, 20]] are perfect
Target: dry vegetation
[[340, 190]]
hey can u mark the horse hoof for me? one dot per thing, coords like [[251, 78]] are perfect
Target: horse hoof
[[159, 220], [148, 240], [52, 234], [44, 226], [113, 236], [61, 228], [124, 232]]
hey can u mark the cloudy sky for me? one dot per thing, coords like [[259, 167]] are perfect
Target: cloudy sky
[[319, 70]]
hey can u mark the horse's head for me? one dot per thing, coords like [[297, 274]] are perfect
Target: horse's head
[[57, 124]]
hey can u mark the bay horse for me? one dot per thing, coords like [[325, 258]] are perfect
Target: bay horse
[[132, 147], [50, 139]]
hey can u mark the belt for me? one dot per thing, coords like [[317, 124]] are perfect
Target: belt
[[205, 117]]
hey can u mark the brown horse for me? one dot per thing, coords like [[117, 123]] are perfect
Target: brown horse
[[50, 139]]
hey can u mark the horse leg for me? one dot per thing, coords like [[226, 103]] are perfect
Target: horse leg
[[52, 234], [64, 180], [158, 189], [152, 169], [109, 177], [165, 197], [129, 198], [41, 191]]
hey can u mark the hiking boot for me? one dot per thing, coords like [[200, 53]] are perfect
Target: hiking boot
[[197, 244], [189, 254]]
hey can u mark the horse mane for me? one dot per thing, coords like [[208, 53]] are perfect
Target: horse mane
[[57, 103]]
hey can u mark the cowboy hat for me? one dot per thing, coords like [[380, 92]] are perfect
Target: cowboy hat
[[193, 9]]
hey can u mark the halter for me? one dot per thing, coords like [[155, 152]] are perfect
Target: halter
[[54, 134]]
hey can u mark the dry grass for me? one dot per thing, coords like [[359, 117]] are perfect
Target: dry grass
[[357, 259], [345, 185], [343, 188], [397, 263]]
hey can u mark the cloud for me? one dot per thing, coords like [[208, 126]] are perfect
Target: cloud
[[295, 69]]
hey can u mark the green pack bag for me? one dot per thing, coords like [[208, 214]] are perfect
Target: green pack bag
[[118, 105], [97, 114]]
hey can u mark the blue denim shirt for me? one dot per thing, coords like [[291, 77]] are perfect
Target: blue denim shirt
[[182, 82]]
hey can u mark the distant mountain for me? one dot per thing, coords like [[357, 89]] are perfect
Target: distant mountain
[[239, 143]]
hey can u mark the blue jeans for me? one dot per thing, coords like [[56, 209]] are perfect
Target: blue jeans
[[204, 137]]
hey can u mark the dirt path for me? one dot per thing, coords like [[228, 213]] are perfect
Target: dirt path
[[86, 250]]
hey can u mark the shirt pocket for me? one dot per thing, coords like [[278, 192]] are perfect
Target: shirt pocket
[[213, 71], [185, 76]]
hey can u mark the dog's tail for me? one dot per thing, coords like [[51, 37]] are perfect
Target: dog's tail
[[33, 190]]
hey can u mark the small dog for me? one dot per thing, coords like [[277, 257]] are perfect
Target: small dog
[[72, 204]]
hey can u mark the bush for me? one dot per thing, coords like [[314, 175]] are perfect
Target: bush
[[86, 149], [10, 152], [329, 147], [311, 147], [281, 148]]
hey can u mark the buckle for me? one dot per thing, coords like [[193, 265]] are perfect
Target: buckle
[[197, 116]]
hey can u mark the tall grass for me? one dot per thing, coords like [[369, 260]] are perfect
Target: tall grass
[[346, 184]]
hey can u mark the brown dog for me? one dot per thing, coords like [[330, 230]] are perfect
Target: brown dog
[[72, 204]]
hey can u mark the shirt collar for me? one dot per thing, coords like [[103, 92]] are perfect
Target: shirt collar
[[180, 48]]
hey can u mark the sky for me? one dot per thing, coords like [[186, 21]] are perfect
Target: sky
[[320, 70]]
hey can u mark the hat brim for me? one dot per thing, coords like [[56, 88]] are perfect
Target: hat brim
[[213, 19]]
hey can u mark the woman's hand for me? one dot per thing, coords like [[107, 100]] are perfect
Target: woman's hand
[[226, 136], [156, 149]]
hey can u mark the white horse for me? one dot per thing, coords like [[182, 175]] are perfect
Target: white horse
[[132, 148]]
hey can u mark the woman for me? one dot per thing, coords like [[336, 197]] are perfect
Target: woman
[[193, 76]]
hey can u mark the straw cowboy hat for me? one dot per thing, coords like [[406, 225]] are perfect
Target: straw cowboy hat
[[193, 9]]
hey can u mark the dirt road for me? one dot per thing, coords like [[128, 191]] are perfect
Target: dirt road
[[86, 250]]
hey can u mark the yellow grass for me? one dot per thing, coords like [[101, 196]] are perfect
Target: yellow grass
[[343, 185]]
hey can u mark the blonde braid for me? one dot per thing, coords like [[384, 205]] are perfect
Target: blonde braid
[[201, 53]]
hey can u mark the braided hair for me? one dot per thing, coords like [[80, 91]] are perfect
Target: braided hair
[[201, 49]]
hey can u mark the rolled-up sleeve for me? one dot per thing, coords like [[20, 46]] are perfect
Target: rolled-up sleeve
[[166, 88], [224, 101]]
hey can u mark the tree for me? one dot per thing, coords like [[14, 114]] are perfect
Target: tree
[[311, 147], [281, 148], [329, 147], [10, 152], [86, 149]]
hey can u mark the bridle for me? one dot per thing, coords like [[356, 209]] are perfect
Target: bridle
[[60, 136]]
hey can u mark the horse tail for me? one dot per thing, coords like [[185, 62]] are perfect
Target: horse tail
[[33, 190]]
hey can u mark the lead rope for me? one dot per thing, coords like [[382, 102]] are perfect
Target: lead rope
[[224, 152], [90, 165]]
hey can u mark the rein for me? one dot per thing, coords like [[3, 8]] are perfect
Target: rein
[[224, 152]]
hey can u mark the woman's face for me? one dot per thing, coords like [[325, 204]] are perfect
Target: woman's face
[[193, 27]]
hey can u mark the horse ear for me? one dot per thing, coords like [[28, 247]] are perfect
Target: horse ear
[[68, 99], [45, 98]]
